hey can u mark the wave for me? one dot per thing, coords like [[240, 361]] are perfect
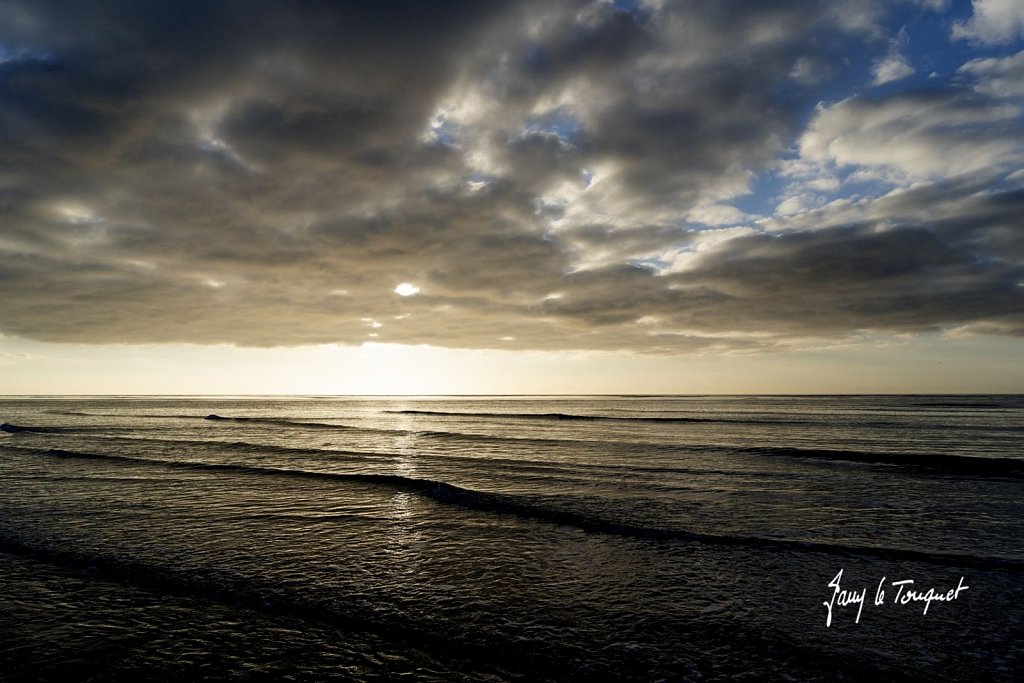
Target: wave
[[437, 434], [561, 417], [9, 428], [525, 508], [958, 464], [279, 421], [517, 464], [961, 404], [153, 416], [777, 421], [567, 417], [14, 429]]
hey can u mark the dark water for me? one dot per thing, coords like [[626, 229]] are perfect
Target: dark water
[[687, 538]]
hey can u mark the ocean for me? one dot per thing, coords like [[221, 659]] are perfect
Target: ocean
[[512, 538]]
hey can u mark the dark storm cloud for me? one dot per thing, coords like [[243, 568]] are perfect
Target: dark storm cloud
[[267, 173]]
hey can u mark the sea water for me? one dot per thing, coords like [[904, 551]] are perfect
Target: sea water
[[512, 538]]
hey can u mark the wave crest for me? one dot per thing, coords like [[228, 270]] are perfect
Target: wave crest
[[526, 508]]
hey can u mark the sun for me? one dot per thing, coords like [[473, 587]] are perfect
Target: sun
[[407, 289]]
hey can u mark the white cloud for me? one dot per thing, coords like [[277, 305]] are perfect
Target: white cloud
[[800, 203], [703, 241], [810, 182], [717, 214], [998, 77], [893, 68], [993, 21], [807, 175], [917, 135]]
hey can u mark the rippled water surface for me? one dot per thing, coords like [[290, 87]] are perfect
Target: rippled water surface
[[645, 538]]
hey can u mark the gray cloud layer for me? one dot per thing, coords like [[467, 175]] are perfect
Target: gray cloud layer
[[267, 173]]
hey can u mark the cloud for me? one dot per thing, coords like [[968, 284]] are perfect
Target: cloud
[[717, 214], [919, 134], [14, 358], [536, 172], [993, 22], [808, 71], [895, 67], [998, 78]]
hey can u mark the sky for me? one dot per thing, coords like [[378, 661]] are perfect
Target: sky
[[639, 196]]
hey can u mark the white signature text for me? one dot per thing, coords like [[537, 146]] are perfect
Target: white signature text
[[905, 593]]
